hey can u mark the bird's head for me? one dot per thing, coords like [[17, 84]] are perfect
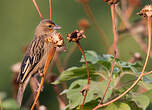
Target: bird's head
[[47, 29], [46, 26]]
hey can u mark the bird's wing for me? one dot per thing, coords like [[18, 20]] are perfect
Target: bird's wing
[[31, 59]]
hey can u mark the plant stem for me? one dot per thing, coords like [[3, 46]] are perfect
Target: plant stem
[[141, 75], [49, 59], [78, 43], [115, 48], [109, 81], [50, 9], [37, 8], [87, 69]]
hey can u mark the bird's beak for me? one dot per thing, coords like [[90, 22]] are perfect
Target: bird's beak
[[56, 27]]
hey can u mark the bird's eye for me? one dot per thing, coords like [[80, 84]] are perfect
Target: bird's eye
[[50, 26]]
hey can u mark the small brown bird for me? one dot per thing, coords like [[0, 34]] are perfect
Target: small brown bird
[[45, 38]]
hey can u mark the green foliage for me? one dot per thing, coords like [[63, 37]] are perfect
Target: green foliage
[[124, 75], [7, 104], [142, 101], [96, 92]]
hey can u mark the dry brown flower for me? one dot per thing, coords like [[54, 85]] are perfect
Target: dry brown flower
[[146, 11], [56, 39], [75, 36]]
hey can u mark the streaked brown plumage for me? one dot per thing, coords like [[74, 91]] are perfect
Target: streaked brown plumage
[[37, 52]]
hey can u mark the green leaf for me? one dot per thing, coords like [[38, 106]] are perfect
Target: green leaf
[[141, 101], [96, 91], [111, 107], [9, 104], [126, 80], [74, 72], [148, 94], [94, 58], [91, 56], [124, 106], [118, 106]]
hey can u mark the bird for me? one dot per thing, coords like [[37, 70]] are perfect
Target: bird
[[37, 52]]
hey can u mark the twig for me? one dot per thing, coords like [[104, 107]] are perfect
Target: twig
[[50, 57], [109, 81], [142, 73], [50, 9], [78, 43], [147, 73], [37, 8], [115, 48], [76, 36], [86, 89]]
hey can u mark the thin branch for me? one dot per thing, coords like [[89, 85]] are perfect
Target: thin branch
[[115, 48], [50, 9], [87, 68], [109, 81], [37, 8], [50, 57], [86, 89], [147, 73], [141, 75]]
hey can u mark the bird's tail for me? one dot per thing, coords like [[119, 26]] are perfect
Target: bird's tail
[[21, 90]]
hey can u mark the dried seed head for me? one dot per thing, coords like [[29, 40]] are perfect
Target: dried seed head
[[75, 36], [146, 11], [83, 1], [83, 24], [110, 2], [56, 39]]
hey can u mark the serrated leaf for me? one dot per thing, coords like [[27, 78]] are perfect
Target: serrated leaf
[[130, 66], [74, 72], [126, 80], [141, 101], [91, 56], [96, 91]]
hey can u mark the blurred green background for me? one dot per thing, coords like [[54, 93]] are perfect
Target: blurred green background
[[17, 23]]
